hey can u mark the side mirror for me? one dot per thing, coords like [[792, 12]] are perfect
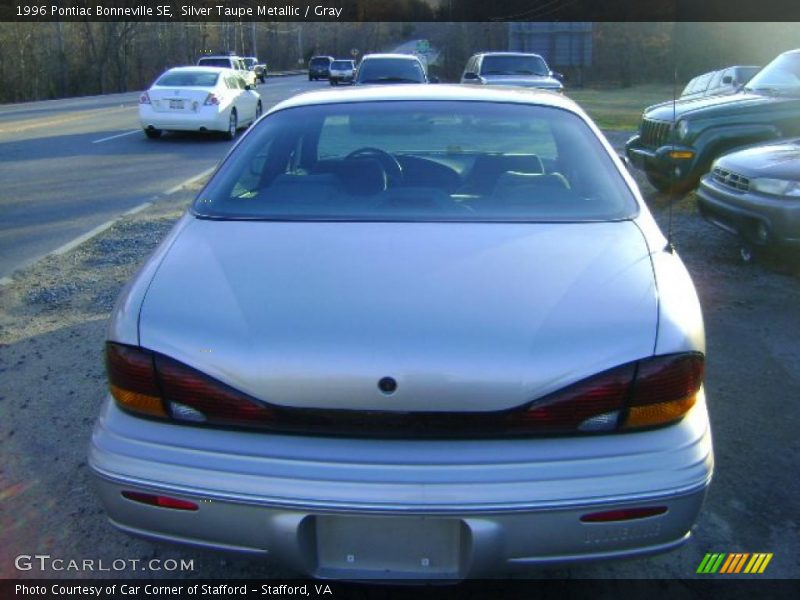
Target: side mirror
[[470, 76], [433, 79], [247, 86], [727, 80], [560, 76]]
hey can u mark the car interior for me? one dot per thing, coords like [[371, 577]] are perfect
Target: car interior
[[301, 173]]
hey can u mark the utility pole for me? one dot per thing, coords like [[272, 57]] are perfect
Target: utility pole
[[255, 47], [300, 43]]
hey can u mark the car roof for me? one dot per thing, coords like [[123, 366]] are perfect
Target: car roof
[[438, 92], [200, 69], [388, 55], [508, 54], [219, 56]]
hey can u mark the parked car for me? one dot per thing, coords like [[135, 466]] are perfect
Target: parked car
[[342, 71], [198, 99], [519, 69], [229, 61], [715, 83], [678, 141], [754, 193], [410, 331], [258, 68], [319, 67], [390, 68]]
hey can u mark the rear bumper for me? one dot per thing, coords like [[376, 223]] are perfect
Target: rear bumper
[[745, 213], [328, 506], [205, 119]]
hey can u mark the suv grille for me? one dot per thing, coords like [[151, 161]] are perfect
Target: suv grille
[[655, 133], [730, 179]]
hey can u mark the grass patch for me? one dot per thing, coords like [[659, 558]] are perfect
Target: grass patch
[[618, 108]]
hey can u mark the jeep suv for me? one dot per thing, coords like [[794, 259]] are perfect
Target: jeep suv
[[678, 141], [718, 83]]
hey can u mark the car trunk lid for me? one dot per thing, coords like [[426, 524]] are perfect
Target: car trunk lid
[[463, 317]]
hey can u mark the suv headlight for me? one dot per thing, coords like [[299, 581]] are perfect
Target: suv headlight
[[682, 129], [776, 187]]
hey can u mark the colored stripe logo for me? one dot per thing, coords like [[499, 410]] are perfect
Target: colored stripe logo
[[733, 563]]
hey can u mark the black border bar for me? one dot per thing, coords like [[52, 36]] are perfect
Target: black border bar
[[400, 10]]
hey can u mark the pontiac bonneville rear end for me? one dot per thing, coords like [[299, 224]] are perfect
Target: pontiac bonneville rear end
[[411, 332]]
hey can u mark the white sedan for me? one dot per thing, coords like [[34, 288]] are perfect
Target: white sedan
[[198, 99]]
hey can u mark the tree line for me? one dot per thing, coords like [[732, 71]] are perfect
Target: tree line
[[54, 60]]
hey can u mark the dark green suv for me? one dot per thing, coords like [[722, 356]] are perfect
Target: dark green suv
[[677, 141]]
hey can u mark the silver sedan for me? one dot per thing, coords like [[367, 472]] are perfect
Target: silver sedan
[[411, 331]]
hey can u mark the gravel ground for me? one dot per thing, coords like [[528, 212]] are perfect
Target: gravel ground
[[52, 325]]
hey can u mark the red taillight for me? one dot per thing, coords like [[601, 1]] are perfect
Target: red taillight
[[162, 501], [646, 393], [132, 379], [144, 98], [590, 405], [211, 100], [665, 389], [154, 385], [624, 514], [193, 396]]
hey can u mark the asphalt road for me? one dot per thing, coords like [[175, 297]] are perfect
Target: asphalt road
[[68, 166]]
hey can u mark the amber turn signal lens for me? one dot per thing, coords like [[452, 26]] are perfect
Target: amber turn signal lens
[[137, 402], [658, 414]]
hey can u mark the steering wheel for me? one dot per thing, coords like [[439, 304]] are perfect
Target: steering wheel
[[394, 170]]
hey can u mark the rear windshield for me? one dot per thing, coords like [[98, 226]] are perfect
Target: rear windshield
[[215, 62], [419, 161], [188, 79], [341, 64], [513, 65], [320, 62], [782, 75], [390, 70]]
